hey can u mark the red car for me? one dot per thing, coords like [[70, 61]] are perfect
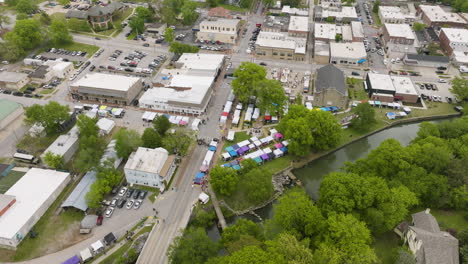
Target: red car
[[99, 220]]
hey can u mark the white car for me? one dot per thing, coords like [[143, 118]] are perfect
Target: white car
[[109, 212], [129, 204], [442, 81], [122, 191], [114, 202], [463, 69], [137, 204]]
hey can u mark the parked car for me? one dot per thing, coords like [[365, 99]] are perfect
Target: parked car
[[355, 73], [123, 190], [115, 190], [121, 203], [143, 195], [114, 202], [263, 64], [92, 68], [137, 204], [130, 192], [146, 45], [442, 81], [129, 204], [136, 194], [99, 220], [439, 72], [109, 212]]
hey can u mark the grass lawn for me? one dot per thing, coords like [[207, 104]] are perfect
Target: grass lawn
[[11, 178], [376, 19], [356, 89], [385, 246], [58, 16], [46, 91], [450, 219], [276, 165], [234, 8], [36, 145], [238, 137]]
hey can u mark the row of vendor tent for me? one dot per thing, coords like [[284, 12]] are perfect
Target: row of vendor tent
[[253, 145], [176, 120], [206, 162], [236, 117], [381, 104], [225, 113], [95, 248], [260, 156], [396, 115], [332, 109], [251, 113]]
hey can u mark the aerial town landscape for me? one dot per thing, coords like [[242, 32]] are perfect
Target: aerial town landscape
[[234, 131]]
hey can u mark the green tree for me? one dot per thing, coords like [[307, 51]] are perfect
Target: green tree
[[179, 48], [78, 25], [242, 227], [4, 19], [223, 180], [26, 6], [326, 130], [212, 3], [169, 34], [418, 26], [248, 75], [161, 124], [299, 135], [144, 13], [258, 185], [127, 141], [87, 126], [50, 116], [168, 15], [295, 214], [194, 246], [271, 96], [330, 20], [423, 151], [137, 24], [54, 161], [457, 172], [292, 3], [459, 198], [249, 255], [405, 257], [245, 3], [338, 37], [11, 2], [460, 88], [21, 16], [90, 147], [427, 129], [45, 19], [177, 142], [151, 138], [189, 13], [289, 250], [365, 117], [58, 32], [26, 34], [95, 195], [464, 254], [375, 7]]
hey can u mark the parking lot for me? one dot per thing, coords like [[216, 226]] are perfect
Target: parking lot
[[437, 92], [125, 199], [53, 53]]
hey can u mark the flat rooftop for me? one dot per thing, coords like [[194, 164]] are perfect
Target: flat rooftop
[[358, 30], [436, 14], [381, 82], [299, 23], [325, 31], [459, 35], [195, 89], [346, 11], [353, 50], [219, 22], [403, 85], [64, 142], [399, 30], [7, 107], [201, 61], [12, 77], [31, 192], [147, 160], [107, 81], [391, 12], [282, 41]]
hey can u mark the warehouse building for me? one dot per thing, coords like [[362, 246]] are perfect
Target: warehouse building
[[435, 16], [426, 60], [13, 80], [353, 53], [151, 167], [65, 145], [9, 112], [106, 88], [278, 45], [219, 29], [386, 88], [33, 194]]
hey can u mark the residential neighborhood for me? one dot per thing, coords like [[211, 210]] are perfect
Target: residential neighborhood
[[240, 131]]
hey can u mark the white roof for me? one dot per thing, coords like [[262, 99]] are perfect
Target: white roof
[[358, 30], [219, 22], [321, 48], [85, 254], [147, 160], [325, 31], [381, 82], [106, 81], [353, 50], [436, 14], [64, 142], [201, 61], [12, 77], [97, 245], [295, 11], [105, 124], [198, 87], [403, 85], [347, 33], [399, 30], [58, 66], [346, 11], [391, 12], [281, 40], [31, 192], [203, 197], [298, 23], [459, 35]]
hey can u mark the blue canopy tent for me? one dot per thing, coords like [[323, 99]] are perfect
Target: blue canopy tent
[[334, 108], [361, 61], [284, 150], [228, 149], [234, 163], [236, 167], [227, 165], [198, 177], [212, 148], [233, 153], [258, 160], [235, 147]]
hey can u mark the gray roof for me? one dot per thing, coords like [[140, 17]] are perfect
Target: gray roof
[[40, 72], [98, 10], [12, 77], [77, 198], [89, 221], [111, 154], [77, 14], [421, 57], [437, 246], [330, 77]]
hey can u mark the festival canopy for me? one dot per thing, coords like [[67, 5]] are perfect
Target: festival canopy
[[73, 260], [229, 149]]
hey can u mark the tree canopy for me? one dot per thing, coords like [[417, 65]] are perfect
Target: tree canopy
[[179, 48], [58, 32], [460, 88], [26, 35], [50, 116], [54, 161], [161, 124], [127, 141], [365, 117], [169, 34], [248, 75], [151, 138], [194, 247], [223, 180]]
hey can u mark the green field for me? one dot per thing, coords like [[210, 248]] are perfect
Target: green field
[[11, 178]]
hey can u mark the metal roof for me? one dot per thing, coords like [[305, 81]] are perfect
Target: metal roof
[[7, 107], [330, 77], [77, 198], [421, 57]]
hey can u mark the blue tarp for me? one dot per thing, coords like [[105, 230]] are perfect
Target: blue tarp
[[212, 148], [198, 177], [284, 149], [334, 108], [234, 163], [361, 61], [227, 165], [73, 260], [236, 167]]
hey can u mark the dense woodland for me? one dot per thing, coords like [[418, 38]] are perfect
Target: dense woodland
[[368, 197]]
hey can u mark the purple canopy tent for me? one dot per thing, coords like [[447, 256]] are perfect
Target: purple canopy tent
[[264, 157], [73, 260], [235, 147]]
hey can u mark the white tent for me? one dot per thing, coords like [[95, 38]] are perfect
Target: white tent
[[203, 197], [278, 153], [222, 120], [96, 246], [257, 143], [105, 126], [285, 143], [273, 132], [256, 113], [195, 124], [91, 113], [230, 136], [85, 254], [267, 150], [243, 143], [226, 156], [235, 121], [251, 146]]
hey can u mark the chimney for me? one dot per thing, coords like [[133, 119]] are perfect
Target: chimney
[[428, 211]]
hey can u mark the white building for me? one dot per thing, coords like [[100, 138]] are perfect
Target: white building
[[394, 14], [151, 167], [434, 15], [219, 29], [60, 69], [105, 126], [454, 39], [298, 26], [26, 201], [326, 32], [13, 80], [292, 11], [188, 87], [358, 31], [65, 145], [353, 53], [343, 14]]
